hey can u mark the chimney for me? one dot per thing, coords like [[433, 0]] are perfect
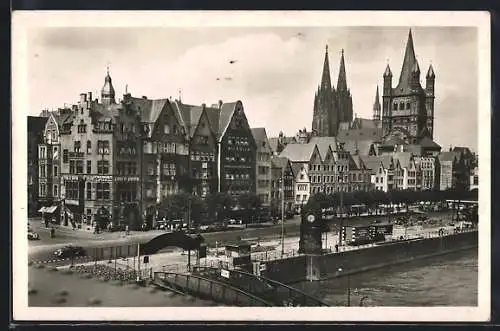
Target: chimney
[[220, 104], [83, 97], [203, 106]]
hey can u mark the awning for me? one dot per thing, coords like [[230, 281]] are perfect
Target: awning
[[42, 210], [51, 209]]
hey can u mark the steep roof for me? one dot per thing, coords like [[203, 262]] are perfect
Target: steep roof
[[415, 149], [324, 143], [374, 134], [298, 152], [36, 124], [404, 158], [427, 142], [363, 123], [352, 163], [358, 162], [372, 163], [409, 65], [273, 143], [361, 147], [296, 167], [213, 118], [325, 77], [259, 134], [226, 113], [446, 156], [342, 79], [279, 162]]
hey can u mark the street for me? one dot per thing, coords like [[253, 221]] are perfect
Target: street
[[42, 250]]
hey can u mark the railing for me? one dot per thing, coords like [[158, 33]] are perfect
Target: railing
[[279, 293], [210, 289], [274, 255]]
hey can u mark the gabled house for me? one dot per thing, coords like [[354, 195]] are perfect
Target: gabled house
[[406, 172], [263, 166], [282, 179], [382, 171]]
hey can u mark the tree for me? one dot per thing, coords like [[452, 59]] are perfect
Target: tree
[[218, 204], [250, 203]]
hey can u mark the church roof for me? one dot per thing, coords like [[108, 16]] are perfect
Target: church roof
[[361, 147], [410, 65], [430, 72], [259, 135], [325, 77], [373, 134], [298, 152], [363, 123], [387, 72], [108, 90]]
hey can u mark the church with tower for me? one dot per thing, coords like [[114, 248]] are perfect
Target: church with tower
[[408, 108], [332, 106]]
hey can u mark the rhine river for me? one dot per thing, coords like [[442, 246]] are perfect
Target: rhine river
[[449, 280]]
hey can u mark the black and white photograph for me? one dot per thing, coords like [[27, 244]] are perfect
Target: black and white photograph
[[320, 166]]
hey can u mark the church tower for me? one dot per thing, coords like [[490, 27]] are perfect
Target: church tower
[[325, 120], [408, 108], [343, 94], [108, 91], [376, 109]]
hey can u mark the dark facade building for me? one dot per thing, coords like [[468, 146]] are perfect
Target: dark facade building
[[237, 151], [408, 107], [36, 127], [331, 106]]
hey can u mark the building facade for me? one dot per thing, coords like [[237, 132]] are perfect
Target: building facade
[[263, 166], [282, 179], [36, 126], [408, 107], [427, 166]]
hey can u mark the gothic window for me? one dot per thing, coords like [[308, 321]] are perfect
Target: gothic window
[[401, 106], [407, 105], [395, 106], [89, 147]]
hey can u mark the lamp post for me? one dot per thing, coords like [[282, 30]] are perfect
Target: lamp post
[[341, 210], [348, 287], [326, 232]]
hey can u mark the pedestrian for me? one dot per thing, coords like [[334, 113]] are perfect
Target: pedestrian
[[336, 248], [52, 233]]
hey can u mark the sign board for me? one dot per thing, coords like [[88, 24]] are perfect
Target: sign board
[[224, 273], [126, 179]]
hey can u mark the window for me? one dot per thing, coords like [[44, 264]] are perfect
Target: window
[[151, 168], [77, 147], [89, 147], [132, 168], [169, 169], [126, 191], [42, 171], [72, 166], [102, 167], [89, 166], [102, 191], [103, 147], [82, 127], [42, 190], [79, 167], [55, 190], [401, 105], [71, 189], [55, 171], [42, 153], [395, 106], [408, 105], [65, 156], [89, 191], [166, 129]]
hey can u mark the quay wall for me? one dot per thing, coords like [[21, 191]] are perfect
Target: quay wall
[[320, 267]]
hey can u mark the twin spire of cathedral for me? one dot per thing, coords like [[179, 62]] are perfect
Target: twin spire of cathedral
[[342, 78]]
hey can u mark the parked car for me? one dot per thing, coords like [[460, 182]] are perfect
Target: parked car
[[70, 251], [33, 236]]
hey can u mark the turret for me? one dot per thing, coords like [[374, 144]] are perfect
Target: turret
[[415, 76], [387, 81], [108, 91]]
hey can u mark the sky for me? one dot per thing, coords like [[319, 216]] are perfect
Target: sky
[[276, 73]]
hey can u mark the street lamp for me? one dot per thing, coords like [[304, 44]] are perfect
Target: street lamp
[[348, 287], [282, 180], [341, 209]]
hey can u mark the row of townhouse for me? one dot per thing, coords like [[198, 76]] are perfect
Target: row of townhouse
[[97, 157], [324, 165]]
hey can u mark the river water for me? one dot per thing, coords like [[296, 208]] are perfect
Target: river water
[[448, 280]]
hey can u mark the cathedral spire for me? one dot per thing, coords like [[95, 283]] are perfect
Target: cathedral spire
[[376, 107], [342, 81], [408, 63], [325, 78]]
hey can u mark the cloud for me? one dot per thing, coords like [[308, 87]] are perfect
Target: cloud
[[275, 76]]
